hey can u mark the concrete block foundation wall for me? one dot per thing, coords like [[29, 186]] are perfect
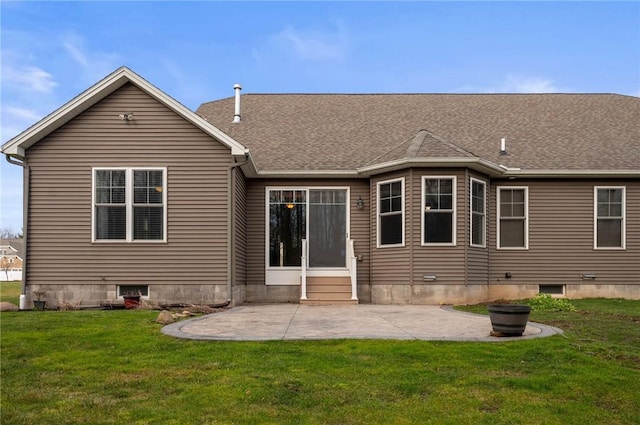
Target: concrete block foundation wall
[[91, 295]]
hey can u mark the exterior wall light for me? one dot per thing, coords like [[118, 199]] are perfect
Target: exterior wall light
[[360, 203]]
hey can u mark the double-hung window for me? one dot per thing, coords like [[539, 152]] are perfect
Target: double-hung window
[[513, 229], [439, 210], [129, 204], [478, 213], [391, 213], [609, 217]]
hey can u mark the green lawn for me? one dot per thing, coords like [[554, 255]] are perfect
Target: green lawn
[[10, 292], [115, 367]]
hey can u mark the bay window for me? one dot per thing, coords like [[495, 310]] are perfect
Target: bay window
[[478, 213], [439, 210]]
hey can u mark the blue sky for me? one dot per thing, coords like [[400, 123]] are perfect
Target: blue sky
[[196, 51]]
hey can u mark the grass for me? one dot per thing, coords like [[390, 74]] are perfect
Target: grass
[[10, 292], [113, 367]]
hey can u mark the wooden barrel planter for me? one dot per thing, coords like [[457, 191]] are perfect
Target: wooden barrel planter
[[509, 319], [131, 301]]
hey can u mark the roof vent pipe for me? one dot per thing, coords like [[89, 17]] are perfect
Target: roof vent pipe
[[236, 115], [503, 146]]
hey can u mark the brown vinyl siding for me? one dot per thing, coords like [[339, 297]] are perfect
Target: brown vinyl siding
[[446, 262], [391, 264], [240, 228], [561, 232], [408, 265], [477, 258], [256, 217], [60, 247]]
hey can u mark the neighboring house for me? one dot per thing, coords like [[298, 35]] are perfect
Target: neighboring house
[[385, 198], [10, 260]]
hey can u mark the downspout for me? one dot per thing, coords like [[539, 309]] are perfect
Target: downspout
[[231, 222], [26, 174]]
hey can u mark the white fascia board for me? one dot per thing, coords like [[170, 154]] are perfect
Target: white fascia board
[[478, 164], [572, 173], [97, 92], [307, 173]]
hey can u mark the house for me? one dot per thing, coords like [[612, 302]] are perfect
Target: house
[[10, 260], [371, 198]]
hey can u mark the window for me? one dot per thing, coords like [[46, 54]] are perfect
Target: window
[[129, 204], [609, 217], [391, 213], [142, 290], [478, 213], [287, 227], [439, 212], [557, 290], [513, 205]]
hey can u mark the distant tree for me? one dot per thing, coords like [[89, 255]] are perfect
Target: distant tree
[[4, 265], [9, 233]]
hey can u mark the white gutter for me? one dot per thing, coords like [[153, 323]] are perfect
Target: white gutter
[[26, 174], [231, 211], [517, 172]]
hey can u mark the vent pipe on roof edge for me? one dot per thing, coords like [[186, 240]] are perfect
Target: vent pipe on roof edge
[[236, 115], [503, 146]]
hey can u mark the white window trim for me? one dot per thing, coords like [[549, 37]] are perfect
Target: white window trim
[[402, 186], [623, 235], [526, 218], [484, 239], [129, 204], [454, 212], [290, 275]]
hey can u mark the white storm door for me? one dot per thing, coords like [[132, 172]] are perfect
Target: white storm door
[[327, 228]]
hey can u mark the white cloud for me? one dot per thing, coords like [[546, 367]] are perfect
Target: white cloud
[[517, 83], [75, 53], [514, 83], [94, 64], [316, 45], [28, 77], [313, 45], [22, 113]]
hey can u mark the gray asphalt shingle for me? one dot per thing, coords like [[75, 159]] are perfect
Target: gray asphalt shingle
[[347, 131]]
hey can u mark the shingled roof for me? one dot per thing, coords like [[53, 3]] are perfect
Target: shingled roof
[[346, 132]]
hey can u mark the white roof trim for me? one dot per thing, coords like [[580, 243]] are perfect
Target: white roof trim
[[112, 82], [512, 172], [473, 163]]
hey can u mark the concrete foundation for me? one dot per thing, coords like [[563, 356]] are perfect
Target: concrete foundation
[[473, 294], [96, 294], [431, 294], [272, 293]]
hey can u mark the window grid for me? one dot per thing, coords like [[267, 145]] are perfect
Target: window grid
[[439, 202], [478, 213], [609, 222], [129, 205], [512, 229], [391, 213]]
